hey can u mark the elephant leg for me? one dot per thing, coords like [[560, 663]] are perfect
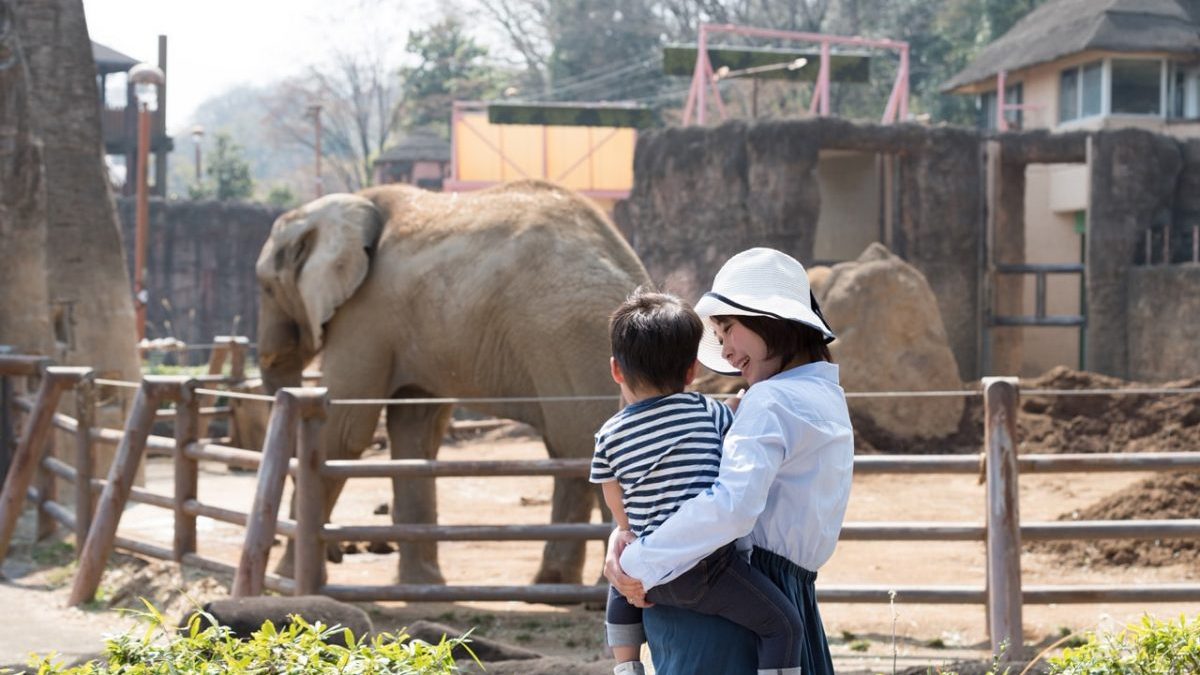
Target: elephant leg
[[562, 560], [416, 432], [347, 432]]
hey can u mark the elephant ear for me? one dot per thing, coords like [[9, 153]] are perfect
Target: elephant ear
[[323, 251]]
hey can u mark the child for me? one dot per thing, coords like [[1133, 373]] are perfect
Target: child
[[662, 449]]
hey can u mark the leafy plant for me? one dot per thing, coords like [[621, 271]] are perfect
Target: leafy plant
[[1152, 646], [298, 649]]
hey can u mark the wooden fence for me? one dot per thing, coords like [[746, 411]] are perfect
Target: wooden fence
[[291, 448]]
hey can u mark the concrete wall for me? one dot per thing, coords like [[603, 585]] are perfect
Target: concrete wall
[[1163, 343], [850, 205], [1050, 237], [1134, 179], [200, 259]]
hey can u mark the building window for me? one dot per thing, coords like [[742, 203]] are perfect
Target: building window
[[1137, 86], [1091, 92], [1081, 92], [1185, 93], [1014, 95]]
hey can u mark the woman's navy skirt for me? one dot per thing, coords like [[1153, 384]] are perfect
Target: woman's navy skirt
[[686, 643]]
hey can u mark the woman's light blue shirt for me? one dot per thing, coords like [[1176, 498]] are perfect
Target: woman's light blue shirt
[[784, 481]]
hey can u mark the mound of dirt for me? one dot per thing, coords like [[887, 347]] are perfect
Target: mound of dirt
[[1106, 422], [169, 587], [1165, 496]]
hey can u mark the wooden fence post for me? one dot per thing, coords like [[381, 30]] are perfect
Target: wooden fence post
[[47, 486], [103, 532], [6, 411], [85, 414], [1000, 399], [238, 344], [310, 494], [272, 472], [187, 470], [29, 451]]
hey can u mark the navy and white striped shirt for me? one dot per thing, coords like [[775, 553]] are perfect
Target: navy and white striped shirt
[[664, 451]]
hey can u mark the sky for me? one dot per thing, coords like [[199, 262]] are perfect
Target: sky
[[215, 45]]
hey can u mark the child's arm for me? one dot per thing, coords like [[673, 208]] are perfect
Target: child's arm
[[613, 497]]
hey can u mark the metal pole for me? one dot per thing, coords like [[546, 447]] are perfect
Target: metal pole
[[1001, 121], [701, 73], [142, 220], [316, 115]]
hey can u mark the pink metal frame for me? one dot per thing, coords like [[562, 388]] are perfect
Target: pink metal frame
[[703, 79], [1001, 106]]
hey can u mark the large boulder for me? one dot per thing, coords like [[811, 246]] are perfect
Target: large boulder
[[890, 338]]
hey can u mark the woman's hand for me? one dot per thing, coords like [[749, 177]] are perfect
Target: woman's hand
[[734, 401], [626, 585]]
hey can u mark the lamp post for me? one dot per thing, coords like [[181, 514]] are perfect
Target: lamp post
[[145, 78], [314, 111], [197, 138], [724, 73]]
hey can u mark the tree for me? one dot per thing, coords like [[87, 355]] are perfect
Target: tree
[[24, 294], [451, 66], [282, 197], [88, 280], [228, 171], [358, 97]]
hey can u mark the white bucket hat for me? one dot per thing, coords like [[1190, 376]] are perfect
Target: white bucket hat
[[757, 282]]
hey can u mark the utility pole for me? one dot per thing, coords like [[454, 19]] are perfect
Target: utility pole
[[314, 111]]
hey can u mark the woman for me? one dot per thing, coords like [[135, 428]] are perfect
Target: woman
[[785, 470]]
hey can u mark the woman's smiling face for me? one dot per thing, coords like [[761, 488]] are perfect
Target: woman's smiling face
[[745, 350]]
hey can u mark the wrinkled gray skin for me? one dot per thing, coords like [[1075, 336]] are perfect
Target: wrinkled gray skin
[[405, 293]]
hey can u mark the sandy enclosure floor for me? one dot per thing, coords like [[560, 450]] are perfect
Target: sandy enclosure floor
[[861, 634]]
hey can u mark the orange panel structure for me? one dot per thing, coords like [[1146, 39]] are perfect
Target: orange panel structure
[[595, 161]]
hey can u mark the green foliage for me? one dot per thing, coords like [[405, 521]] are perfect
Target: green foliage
[[298, 649], [451, 66], [1150, 647], [282, 197], [228, 171]]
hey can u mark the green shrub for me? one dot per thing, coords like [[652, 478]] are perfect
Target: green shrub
[[1152, 647], [298, 649]]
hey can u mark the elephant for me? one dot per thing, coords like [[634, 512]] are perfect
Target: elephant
[[504, 292]]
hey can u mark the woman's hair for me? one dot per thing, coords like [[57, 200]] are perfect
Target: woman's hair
[[788, 339]]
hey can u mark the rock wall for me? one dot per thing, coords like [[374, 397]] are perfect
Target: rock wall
[[1162, 330], [1133, 185], [701, 195], [200, 261], [88, 284]]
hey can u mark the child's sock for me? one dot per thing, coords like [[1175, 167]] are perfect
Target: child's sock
[[629, 668]]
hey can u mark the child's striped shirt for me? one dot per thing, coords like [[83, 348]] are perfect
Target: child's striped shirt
[[664, 451]]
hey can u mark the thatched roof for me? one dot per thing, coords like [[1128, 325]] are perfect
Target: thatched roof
[[417, 147], [109, 60], [1060, 28]]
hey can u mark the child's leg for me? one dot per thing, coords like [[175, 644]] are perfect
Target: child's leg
[[623, 623], [725, 585]]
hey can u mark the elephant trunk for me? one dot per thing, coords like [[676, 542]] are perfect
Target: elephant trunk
[[281, 356]]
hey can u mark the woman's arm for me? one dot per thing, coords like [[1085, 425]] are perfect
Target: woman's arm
[[753, 451]]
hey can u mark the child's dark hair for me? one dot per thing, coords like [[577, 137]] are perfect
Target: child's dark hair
[[654, 339], [788, 339]]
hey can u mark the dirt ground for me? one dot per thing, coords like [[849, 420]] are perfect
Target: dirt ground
[[866, 638]]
